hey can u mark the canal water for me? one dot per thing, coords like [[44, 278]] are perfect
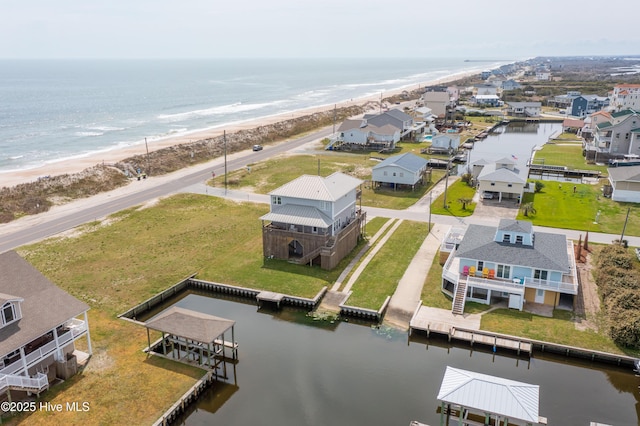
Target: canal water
[[516, 141], [296, 371]]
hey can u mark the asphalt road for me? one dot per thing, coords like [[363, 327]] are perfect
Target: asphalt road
[[11, 239]]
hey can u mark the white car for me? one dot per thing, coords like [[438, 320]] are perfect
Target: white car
[[487, 195]]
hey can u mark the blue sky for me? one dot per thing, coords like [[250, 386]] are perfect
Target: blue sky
[[302, 28]]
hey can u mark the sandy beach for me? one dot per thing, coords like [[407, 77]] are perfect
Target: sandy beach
[[76, 165]]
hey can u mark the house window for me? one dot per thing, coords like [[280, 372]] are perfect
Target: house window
[[480, 265], [314, 229], [401, 174], [493, 184], [8, 313], [540, 274], [509, 185], [394, 173], [385, 173], [617, 135], [324, 205], [506, 238], [504, 271], [518, 239], [276, 200]]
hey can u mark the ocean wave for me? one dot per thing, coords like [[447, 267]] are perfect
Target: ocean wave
[[219, 110], [83, 134], [16, 157], [105, 128]]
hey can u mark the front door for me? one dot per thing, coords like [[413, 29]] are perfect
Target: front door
[[539, 296]]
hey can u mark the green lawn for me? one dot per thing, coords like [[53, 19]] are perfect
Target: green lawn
[[266, 176], [565, 155], [559, 329], [456, 191], [382, 274], [374, 225], [558, 206]]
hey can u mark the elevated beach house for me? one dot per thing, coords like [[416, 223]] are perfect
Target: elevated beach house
[[509, 262], [398, 119], [405, 170], [39, 326], [360, 134], [502, 179], [524, 109], [313, 220]]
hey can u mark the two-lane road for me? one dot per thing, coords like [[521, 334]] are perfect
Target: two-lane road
[[45, 225]]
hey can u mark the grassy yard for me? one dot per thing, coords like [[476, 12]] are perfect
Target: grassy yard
[[558, 206], [133, 255], [559, 329], [569, 155], [381, 276], [456, 191], [266, 176]]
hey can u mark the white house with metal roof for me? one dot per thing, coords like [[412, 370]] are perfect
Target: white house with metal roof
[[510, 262], [626, 183], [404, 169], [477, 398], [363, 133], [39, 326], [313, 220], [504, 178]]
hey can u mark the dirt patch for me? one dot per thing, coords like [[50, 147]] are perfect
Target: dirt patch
[[100, 362], [588, 299]]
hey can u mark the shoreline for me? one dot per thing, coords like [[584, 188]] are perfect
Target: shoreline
[[116, 154]]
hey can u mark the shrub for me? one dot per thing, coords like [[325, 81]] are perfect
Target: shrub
[[615, 255], [538, 186], [624, 327]]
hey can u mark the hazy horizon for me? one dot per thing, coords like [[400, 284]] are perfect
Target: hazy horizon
[[198, 29]]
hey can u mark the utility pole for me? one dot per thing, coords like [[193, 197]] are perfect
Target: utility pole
[[318, 167], [624, 227], [430, 201], [224, 138], [147, 146], [446, 182]]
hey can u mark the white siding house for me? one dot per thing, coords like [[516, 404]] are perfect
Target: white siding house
[[404, 169]]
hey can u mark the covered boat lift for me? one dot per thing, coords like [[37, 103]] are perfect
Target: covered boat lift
[[194, 338], [471, 398]]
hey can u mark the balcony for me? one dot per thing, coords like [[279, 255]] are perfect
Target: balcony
[[46, 345], [561, 287], [496, 284]]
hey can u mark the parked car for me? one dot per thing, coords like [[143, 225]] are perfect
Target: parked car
[[487, 195], [257, 147]]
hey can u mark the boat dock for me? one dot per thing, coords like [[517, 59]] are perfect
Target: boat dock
[[465, 328]]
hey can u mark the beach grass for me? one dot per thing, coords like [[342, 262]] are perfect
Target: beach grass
[[456, 191], [381, 276], [266, 176], [558, 206], [133, 255]]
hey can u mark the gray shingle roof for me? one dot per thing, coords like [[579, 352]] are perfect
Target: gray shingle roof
[[549, 251], [627, 173], [193, 325], [407, 161], [45, 306], [400, 115], [309, 187], [515, 226], [298, 215], [490, 173]]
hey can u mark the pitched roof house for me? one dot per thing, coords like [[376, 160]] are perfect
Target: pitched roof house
[[503, 178], [361, 132], [524, 109], [619, 135], [38, 328], [403, 169], [510, 261], [626, 183], [626, 96], [313, 220], [437, 101]]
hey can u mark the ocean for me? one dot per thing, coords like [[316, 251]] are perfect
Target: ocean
[[57, 110]]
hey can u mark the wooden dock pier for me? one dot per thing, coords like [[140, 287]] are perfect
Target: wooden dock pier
[[493, 340]]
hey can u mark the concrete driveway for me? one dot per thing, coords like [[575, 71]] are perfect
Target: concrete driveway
[[492, 208]]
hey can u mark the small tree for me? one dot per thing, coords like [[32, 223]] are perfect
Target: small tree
[[579, 251], [538, 186], [464, 201], [528, 209]]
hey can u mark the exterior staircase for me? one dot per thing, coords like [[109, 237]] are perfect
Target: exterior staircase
[[35, 384], [459, 298]]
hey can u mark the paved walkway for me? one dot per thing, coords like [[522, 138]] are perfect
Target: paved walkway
[[407, 296]]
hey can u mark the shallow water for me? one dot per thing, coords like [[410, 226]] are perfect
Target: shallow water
[[296, 371]]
